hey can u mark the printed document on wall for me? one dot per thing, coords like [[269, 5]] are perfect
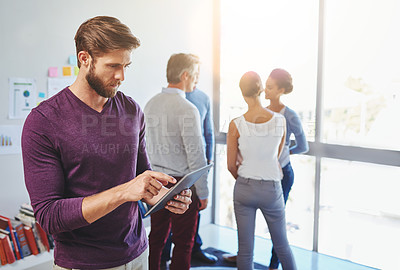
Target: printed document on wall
[[10, 139], [55, 85], [22, 97]]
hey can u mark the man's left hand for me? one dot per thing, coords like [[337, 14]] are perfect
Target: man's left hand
[[180, 203]]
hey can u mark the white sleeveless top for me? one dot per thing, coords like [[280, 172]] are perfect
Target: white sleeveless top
[[259, 145]]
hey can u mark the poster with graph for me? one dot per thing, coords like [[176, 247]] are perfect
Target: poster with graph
[[22, 97], [10, 139]]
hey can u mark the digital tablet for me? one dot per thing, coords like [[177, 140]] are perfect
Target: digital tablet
[[186, 182]]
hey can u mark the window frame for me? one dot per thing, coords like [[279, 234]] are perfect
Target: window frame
[[318, 149]]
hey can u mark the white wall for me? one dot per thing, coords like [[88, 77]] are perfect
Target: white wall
[[35, 35]]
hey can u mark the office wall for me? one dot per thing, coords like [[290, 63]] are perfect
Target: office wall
[[35, 35]]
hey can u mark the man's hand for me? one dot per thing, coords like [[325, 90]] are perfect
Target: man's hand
[[180, 203], [147, 185], [203, 204]]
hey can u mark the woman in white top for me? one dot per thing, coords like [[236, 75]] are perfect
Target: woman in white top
[[254, 142]]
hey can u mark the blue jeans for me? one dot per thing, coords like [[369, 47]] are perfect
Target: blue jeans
[[287, 183], [250, 195]]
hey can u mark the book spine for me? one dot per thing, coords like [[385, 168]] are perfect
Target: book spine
[[43, 236], [31, 240], [25, 251], [3, 258], [51, 241], [18, 245], [14, 241], [39, 242], [13, 246], [7, 248]]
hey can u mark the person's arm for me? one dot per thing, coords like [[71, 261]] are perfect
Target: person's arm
[[193, 145], [145, 186], [45, 182], [181, 201], [232, 149], [148, 186], [44, 178], [283, 140], [301, 144], [209, 133]]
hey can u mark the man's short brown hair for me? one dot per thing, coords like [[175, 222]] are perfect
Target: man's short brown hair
[[102, 34], [178, 64]]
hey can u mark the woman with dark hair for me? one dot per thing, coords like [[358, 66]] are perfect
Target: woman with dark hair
[[279, 83], [254, 143]]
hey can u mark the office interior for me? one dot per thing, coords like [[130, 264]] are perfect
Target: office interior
[[344, 209]]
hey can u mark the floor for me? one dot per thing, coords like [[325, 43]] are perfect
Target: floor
[[226, 239]]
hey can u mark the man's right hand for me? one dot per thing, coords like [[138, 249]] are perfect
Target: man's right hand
[[147, 185]]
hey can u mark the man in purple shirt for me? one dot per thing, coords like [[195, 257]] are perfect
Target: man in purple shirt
[[85, 161]]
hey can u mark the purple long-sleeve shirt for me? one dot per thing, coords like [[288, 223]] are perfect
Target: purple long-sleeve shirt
[[71, 151]]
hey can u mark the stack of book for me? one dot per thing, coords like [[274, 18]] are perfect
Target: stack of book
[[22, 236]]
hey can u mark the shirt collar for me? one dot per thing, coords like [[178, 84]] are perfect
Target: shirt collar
[[173, 91]]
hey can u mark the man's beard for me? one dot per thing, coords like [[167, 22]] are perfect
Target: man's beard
[[99, 86]]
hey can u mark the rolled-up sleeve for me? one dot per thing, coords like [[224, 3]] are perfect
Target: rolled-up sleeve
[[44, 178]]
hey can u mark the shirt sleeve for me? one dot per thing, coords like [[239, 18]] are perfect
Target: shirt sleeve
[[143, 161], [295, 127], [44, 178], [209, 132], [193, 145]]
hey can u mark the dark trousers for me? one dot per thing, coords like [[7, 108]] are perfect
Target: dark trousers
[[183, 228], [287, 183], [166, 253]]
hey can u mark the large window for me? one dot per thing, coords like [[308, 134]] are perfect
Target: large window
[[262, 35], [345, 62], [361, 78], [360, 212]]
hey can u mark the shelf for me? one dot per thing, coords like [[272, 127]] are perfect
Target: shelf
[[42, 261]]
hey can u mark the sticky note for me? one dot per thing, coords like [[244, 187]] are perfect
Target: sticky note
[[66, 71], [72, 60], [76, 71], [53, 72], [42, 95]]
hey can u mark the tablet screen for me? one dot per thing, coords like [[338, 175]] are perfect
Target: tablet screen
[[186, 182]]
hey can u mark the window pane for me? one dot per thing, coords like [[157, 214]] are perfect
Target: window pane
[[225, 215], [261, 35], [360, 213], [361, 80], [299, 210], [300, 204]]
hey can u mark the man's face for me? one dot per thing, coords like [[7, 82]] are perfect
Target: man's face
[[192, 80], [197, 75], [108, 71]]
